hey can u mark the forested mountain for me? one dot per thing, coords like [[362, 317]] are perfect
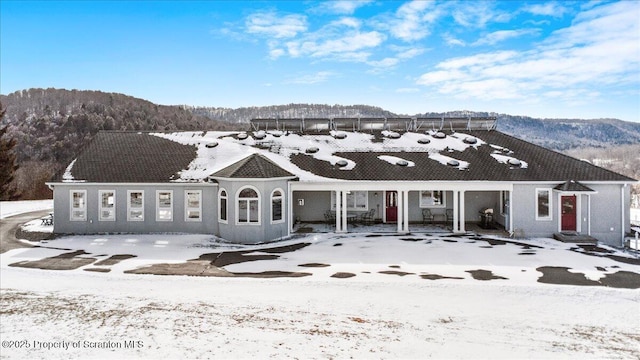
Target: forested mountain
[[51, 125], [244, 114]]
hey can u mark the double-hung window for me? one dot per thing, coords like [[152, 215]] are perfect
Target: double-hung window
[[193, 205], [107, 205], [248, 206], [277, 206], [135, 205], [431, 198], [543, 204], [78, 205], [164, 205]]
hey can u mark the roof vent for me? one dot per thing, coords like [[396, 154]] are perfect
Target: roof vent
[[212, 144], [259, 135], [453, 162], [276, 133], [342, 163], [515, 162], [242, 136], [340, 135], [505, 150], [439, 135], [423, 141], [312, 150], [402, 163], [470, 140]]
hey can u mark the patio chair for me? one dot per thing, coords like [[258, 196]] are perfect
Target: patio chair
[[330, 217], [449, 215], [368, 217], [427, 216]]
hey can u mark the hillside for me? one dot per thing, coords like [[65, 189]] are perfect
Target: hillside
[[52, 125]]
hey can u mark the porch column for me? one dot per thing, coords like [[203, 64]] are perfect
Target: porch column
[[456, 210], [405, 203], [510, 208], [462, 211], [343, 215], [400, 216], [338, 210], [589, 214], [289, 202]]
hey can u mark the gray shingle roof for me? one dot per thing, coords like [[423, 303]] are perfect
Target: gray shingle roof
[[543, 164], [115, 156], [254, 166], [573, 186], [140, 157]]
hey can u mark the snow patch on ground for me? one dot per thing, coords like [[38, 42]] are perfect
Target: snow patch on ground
[[385, 311], [12, 208]]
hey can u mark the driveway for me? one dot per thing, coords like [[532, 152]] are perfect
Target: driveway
[[8, 227]]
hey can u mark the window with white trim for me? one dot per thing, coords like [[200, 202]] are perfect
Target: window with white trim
[[248, 206], [223, 206], [430, 198], [78, 205], [107, 205], [135, 205], [277, 206], [164, 205], [543, 204], [356, 200], [193, 205]]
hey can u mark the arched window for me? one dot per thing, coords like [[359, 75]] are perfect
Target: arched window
[[277, 206], [248, 209], [222, 206]]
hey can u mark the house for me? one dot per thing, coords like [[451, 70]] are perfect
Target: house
[[253, 186]]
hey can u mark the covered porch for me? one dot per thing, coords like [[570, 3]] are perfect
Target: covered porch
[[400, 207]]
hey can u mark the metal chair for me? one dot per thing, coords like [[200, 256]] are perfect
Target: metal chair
[[449, 215], [427, 216], [330, 217], [368, 217]]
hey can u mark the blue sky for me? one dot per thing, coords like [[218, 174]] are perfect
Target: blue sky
[[542, 59]]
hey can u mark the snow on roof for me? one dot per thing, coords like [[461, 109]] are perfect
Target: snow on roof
[[394, 160], [67, 176], [228, 147]]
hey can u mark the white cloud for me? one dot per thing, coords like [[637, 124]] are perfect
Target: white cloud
[[412, 20], [343, 7], [350, 42], [409, 53], [502, 35], [310, 79], [347, 21], [552, 9], [384, 63], [452, 41], [600, 48], [273, 25], [477, 14], [407, 90], [276, 53]]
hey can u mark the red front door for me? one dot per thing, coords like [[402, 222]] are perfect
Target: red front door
[[391, 206], [569, 213]]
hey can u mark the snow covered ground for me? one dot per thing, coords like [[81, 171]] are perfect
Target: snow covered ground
[[11, 208], [413, 296]]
